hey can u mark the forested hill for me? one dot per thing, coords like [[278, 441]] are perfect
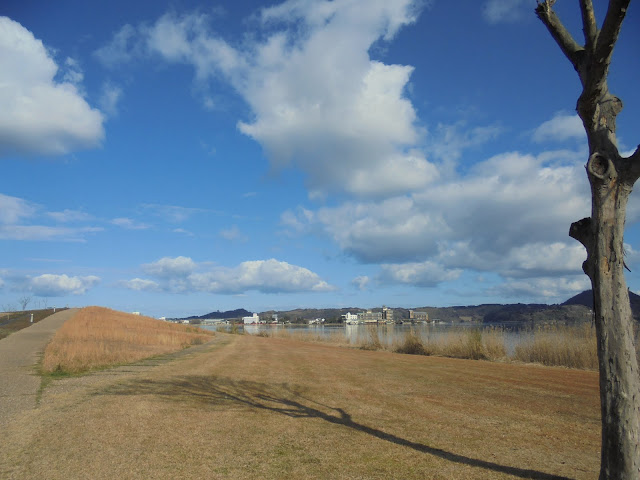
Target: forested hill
[[238, 313], [586, 298]]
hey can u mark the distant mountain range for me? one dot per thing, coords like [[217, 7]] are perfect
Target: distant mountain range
[[238, 313], [576, 309]]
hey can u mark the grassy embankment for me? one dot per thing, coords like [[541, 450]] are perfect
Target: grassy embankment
[[11, 322], [97, 337], [565, 346]]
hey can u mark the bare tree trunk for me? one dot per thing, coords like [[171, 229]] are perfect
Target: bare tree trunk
[[612, 178], [619, 378]]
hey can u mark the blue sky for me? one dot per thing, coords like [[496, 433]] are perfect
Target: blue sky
[[179, 157]]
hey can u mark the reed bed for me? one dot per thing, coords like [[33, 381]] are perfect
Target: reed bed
[[372, 340], [567, 346], [98, 337], [475, 344], [573, 347], [334, 338]]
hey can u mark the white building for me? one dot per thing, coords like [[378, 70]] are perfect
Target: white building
[[254, 319], [350, 318]]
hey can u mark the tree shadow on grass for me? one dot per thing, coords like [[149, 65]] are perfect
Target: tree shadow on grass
[[285, 399]]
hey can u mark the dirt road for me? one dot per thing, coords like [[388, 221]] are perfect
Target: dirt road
[[244, 407], [18, 356]]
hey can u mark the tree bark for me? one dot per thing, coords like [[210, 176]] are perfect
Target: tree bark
[[611, 178], [619, 379]]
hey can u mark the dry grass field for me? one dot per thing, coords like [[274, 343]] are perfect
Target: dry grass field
[[247, 407], [97, 337]]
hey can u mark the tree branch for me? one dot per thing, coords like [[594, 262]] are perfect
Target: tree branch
[[571, 49], [633, 167], [589, 24], [581, 231], [607, 39]]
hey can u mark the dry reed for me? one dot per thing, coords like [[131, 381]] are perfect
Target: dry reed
[[334, 337], [476, 344], [568, 346], [411, 344], [372, 341], [573, 347], [97, 337]]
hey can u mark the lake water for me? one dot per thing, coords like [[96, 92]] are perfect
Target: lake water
[[512, 333]]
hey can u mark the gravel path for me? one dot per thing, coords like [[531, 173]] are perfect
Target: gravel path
[[18, 354]]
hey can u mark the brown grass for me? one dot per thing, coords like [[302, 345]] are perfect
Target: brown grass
[[97, 337], [245, 407]]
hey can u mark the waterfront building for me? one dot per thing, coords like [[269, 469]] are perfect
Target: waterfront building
[[369, 317], [418, 316], [252, 320], [350, 318]]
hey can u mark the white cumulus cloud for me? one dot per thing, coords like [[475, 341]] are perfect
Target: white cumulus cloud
[[361, 282], [422, 274], [38, 114], [549, 289], [49, 285], [509, 214], [318, 101], [560, 128], [322, 104], [268, 276], [183, 275], [140, 285], [168, 267]]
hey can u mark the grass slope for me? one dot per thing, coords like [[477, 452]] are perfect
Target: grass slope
[[98, 337]]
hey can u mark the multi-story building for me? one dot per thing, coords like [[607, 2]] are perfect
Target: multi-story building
[[369, 317], [418, 316]]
